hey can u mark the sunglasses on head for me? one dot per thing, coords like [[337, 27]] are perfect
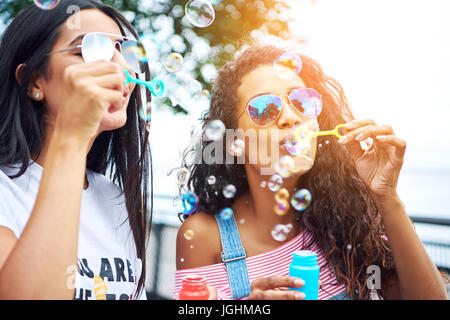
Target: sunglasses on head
[[100, 46], [263, 110]]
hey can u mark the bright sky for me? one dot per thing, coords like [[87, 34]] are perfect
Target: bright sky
[[392, 59]]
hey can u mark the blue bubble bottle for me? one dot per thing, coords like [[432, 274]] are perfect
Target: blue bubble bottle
[[304, 266]]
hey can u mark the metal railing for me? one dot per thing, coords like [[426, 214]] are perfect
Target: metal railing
[[433, 221], [438, 251]]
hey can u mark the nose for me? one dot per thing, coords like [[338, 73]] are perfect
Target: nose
[[288, 117], [120, 60], [118, 56]]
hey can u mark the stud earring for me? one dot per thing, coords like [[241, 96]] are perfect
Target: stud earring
[[37, 95]]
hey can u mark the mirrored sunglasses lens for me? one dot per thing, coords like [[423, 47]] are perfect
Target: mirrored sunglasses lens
[[264, 110], [134, 55], [97, 47], [307, 101]]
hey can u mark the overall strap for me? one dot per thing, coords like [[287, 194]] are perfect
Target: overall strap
[[233, 256]]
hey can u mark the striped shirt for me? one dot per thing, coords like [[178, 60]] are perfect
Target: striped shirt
[[273, 262]]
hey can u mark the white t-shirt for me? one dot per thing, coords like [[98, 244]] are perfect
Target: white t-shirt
[[108, 267]]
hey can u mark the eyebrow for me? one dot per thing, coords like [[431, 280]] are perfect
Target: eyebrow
[[78, 38]]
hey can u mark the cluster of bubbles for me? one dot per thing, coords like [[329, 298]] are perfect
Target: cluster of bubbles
[[296, 147], [181, 88], [46, 4], [293, 161]]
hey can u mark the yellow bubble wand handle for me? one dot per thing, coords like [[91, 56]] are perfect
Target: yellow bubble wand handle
[[302, 132], [335, 132]]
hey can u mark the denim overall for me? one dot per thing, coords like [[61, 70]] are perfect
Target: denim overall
[[234, 259]]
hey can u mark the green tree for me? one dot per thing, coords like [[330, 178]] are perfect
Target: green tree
[[204, 49]]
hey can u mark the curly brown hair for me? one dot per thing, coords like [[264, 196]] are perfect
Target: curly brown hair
[[343, 216]]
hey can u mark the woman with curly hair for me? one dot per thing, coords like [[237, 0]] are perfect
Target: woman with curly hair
[[355, 220]]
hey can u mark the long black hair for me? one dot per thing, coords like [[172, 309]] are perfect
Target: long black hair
[[343, 217], [124, 153]]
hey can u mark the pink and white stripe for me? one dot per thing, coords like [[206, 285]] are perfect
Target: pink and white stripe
[[274, 262]]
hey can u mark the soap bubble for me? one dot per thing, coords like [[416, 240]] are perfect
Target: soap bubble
[[182, 176], [46, 4], [282, 205], [182, 89], [145, 112], [275, 183], [211, 180], [287, 64], [190, 203], [237, 147], [263, 184], [214, 130], [226, 213], [214, 2], [282, 194], [134, 52], [312, 125], [281, 208], [150, 45], [301, 199], [366, 144], [189, 234], [200, 13], [285, 166], [281, 231], [291, 146], [174, 62], [229, 191], [302, 164]]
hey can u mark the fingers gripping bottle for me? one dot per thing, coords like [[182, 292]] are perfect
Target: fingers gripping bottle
[[304, 266], [194, 288]]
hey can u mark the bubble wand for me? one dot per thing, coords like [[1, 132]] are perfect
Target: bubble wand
[[302, 132], [156, 86]]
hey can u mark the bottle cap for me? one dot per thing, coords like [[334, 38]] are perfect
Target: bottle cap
[[194, 283], [304, 257]]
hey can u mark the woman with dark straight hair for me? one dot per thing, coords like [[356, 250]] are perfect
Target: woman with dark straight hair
[[67, 119]]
